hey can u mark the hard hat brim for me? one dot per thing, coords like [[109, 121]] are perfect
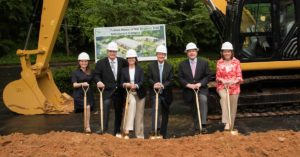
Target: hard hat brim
[[197, 49]]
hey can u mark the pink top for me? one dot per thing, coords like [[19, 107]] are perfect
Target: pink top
[[228, 72]]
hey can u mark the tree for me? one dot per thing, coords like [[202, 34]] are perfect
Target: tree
[[186, 21], [15, 17]]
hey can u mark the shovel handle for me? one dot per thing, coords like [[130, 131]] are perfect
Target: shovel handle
[[157, 91], [228, 107], [128, 91], [85, 90], [101, 107], [196, 91], [100, 89]]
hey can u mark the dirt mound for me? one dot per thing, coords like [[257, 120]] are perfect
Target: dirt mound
[[273, 143]]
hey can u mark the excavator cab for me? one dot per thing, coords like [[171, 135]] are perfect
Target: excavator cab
[[36, 92], [265, 33], [266, 39], [273, 33]]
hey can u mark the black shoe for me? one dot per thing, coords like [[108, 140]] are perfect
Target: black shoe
[[78, 110], [99, 132], [197, 132], [204, 131]]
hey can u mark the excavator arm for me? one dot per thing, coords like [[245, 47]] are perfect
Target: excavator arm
[[218, 9], [36, 92]]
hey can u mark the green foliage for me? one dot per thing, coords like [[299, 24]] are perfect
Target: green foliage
[[14, 17], [62, 78], [185, 21], [188, 21]]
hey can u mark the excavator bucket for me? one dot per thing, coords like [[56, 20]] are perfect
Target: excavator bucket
[[36, 91], [30, 95]]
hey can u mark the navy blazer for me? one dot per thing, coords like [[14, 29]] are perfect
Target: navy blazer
[[202, 76], [167, 79], [138, 79], [104, 74]]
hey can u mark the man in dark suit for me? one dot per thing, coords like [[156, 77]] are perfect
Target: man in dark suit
[[194, 73], [107, 75], [160, 75]]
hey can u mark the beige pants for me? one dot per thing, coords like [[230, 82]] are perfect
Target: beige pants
[[224, 106], [135, 115]]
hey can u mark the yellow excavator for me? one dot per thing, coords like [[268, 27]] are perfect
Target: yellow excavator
[[266, 39], [36, 91], [265, 35], [264, 32]]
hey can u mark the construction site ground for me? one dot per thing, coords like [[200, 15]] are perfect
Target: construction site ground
[[62, 135]]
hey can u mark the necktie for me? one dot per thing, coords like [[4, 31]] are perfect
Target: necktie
[[160, 72], [112, 65], [193, 66]]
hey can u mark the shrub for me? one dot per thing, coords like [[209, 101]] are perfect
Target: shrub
[[62, 78]]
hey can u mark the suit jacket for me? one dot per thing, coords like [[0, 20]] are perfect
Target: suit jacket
[[202, 75], [167, 80], [138, 79], [104, 74]]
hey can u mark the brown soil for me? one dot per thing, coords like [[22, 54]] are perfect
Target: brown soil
[[272, 143]]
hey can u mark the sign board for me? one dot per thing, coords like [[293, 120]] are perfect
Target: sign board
[[142, 38]]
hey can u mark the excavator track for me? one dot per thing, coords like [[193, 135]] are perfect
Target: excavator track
[[212, 84], [261, 78], [255, 115]]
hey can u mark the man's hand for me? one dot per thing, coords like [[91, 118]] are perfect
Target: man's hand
[[191, 86], [198, 85], [100, 84], [158, 85]]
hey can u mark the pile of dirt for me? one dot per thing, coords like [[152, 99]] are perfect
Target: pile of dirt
[[272, 143]]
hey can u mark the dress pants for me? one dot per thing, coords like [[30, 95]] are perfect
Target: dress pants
[[203, 110], [135, 115], [163, 115], [224, 106], [117, 102]]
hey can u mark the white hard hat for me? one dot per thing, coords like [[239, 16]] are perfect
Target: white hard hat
[[227, 46], [191, 46], [112, 46], [162, 49], [131, 53], [83, 56]]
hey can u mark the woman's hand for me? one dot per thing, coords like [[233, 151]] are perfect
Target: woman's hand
[[132, 86], [126, 85], [84, 84]]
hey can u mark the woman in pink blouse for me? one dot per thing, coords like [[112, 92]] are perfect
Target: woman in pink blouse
[[228, 75]]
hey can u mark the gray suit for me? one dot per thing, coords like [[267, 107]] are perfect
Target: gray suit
[[202, 76]]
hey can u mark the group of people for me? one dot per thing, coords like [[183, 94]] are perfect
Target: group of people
[[118, 77]]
